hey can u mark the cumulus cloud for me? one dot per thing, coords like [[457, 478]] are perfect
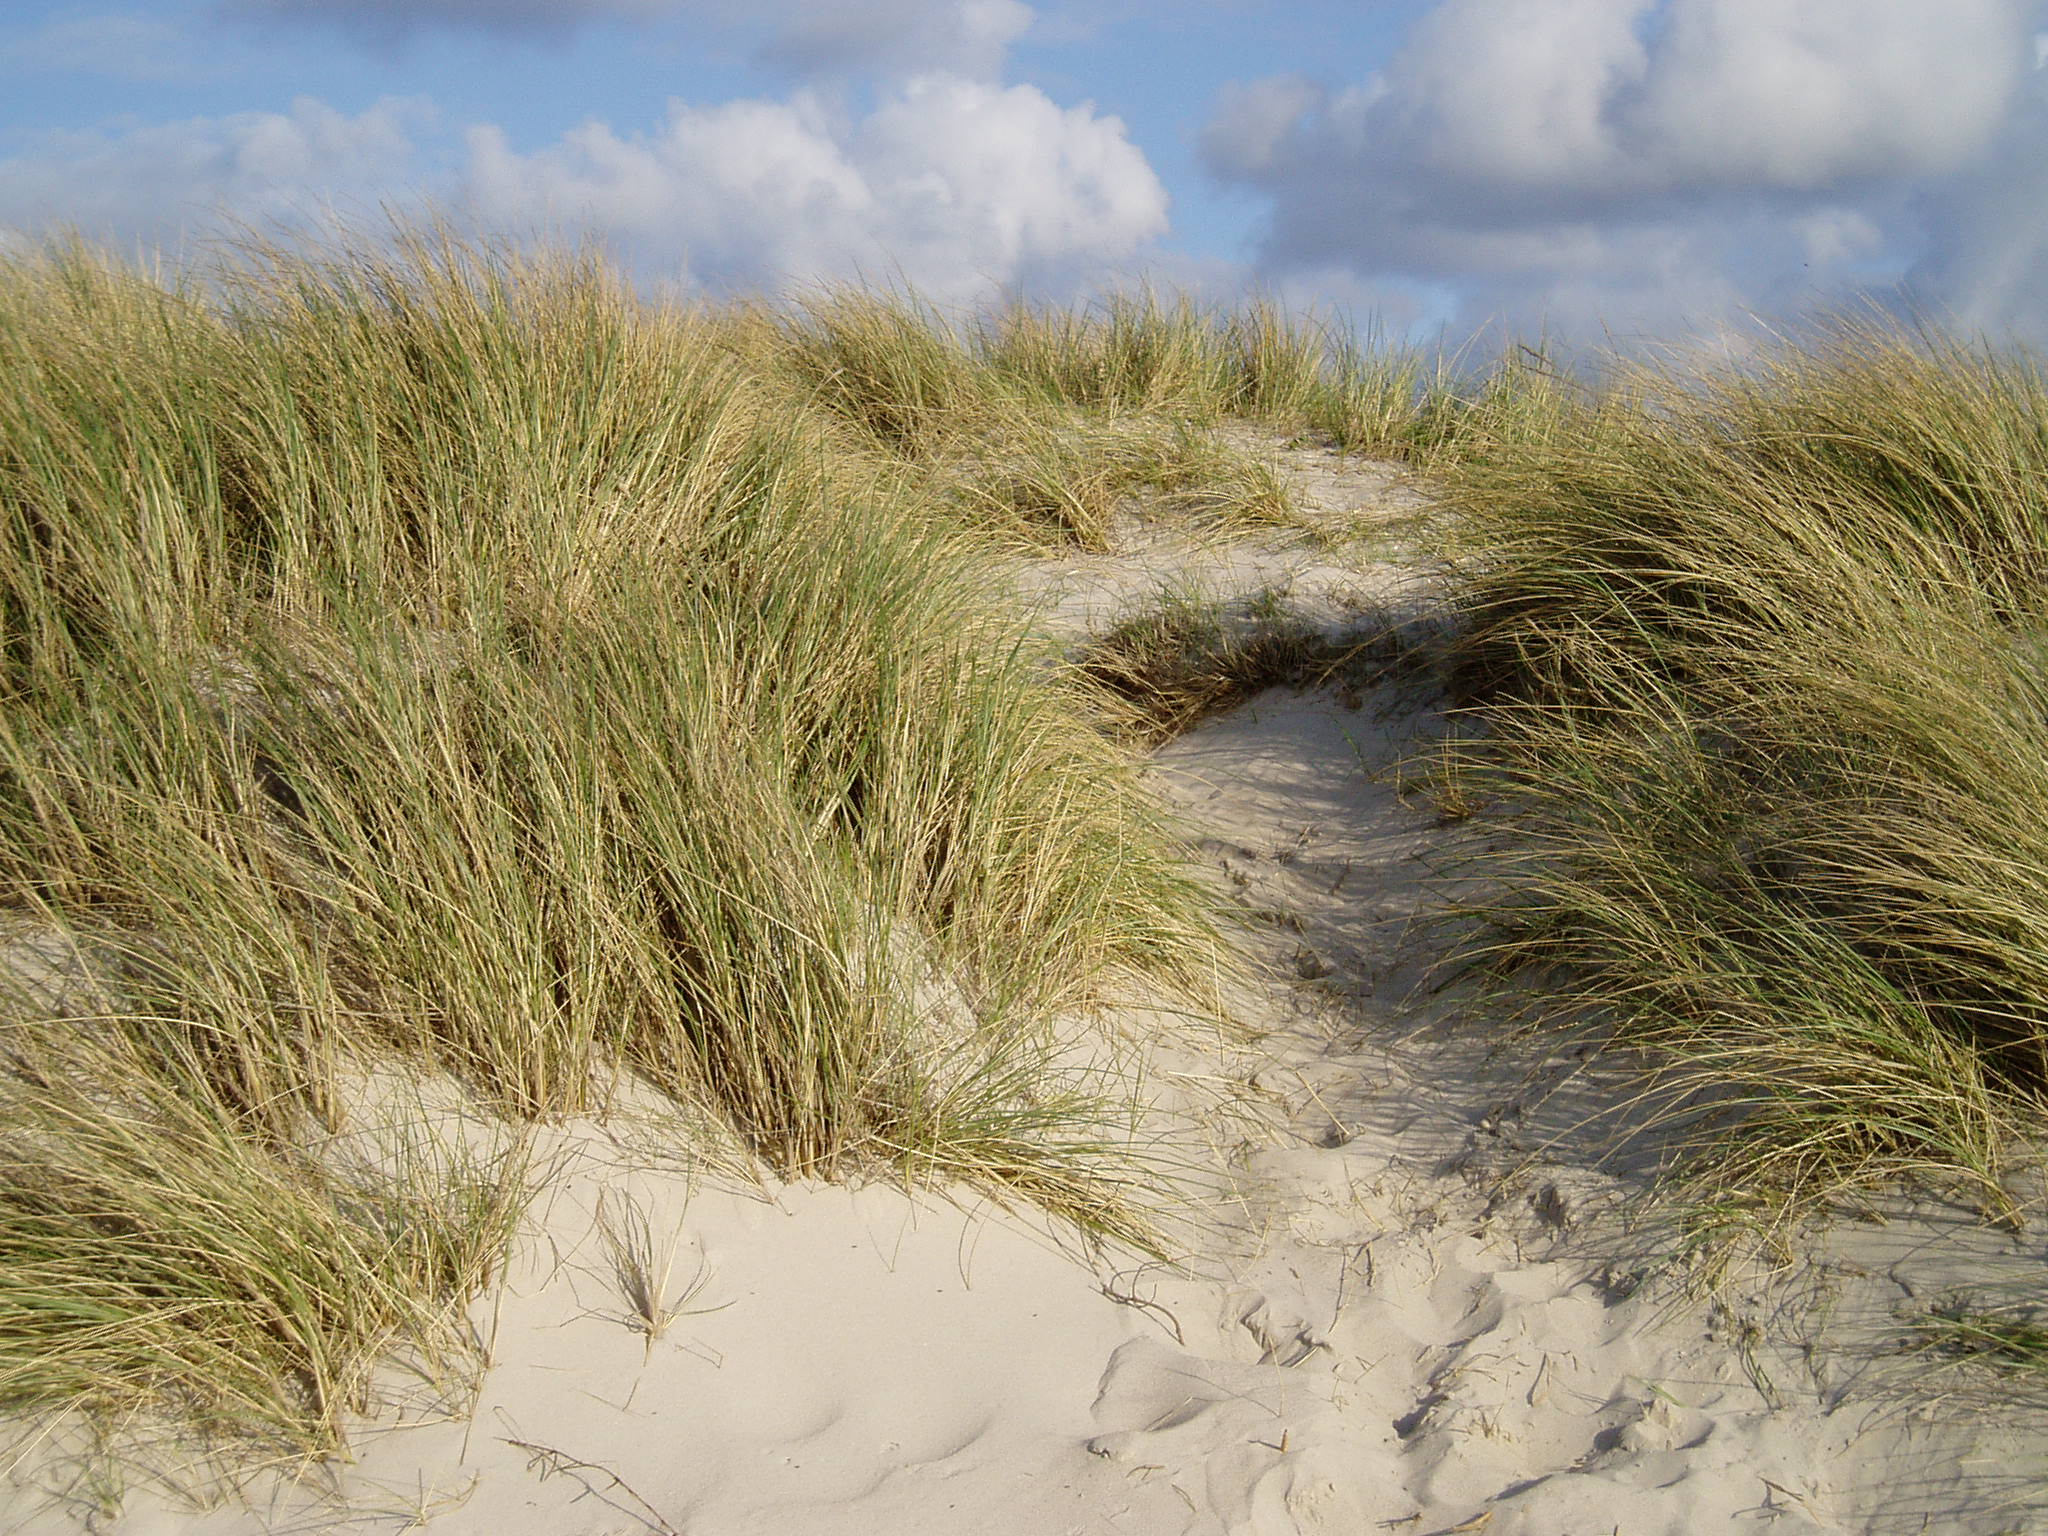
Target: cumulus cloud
[[805, 37], [1807, 94], [1246, 137], [957, 185], [1642, 161], [156, 182], [1506, 92], [1986, 260], [953, 184]]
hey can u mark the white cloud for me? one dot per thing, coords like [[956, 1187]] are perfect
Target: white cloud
[[750, 185], [953, 184], [957, 185], [163, 180], [1806, 94], [1646, 161], [1512, 91]]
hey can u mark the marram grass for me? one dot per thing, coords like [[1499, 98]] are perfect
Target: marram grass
[[424, 655], [1758, 651], [1040, 425], [420, 659]]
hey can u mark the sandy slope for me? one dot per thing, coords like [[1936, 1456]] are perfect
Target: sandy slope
[[1410, 1305]]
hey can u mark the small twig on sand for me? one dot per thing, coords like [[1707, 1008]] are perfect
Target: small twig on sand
[[550, 1460], [1123, 1300]]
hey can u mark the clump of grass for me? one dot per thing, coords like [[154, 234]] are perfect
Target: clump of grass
[[887, 363], [1132, 354], [1183, 657], [643, 1266], [1033, 383], [1052, 483], [2009, 1335], [1524, 403], [1277, 367], [1755, 652], [157, 1257], [1049, 482], [1040, 425], [1141, 354], [1368, 397], [420, 654]]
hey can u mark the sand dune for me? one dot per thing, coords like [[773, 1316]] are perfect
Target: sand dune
[[1410, 1300]]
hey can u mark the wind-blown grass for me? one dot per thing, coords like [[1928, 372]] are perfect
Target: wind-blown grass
[[161, 1259], [1183, 657], [425, 655], [422, 659], [1040, 424], [1759, 650]]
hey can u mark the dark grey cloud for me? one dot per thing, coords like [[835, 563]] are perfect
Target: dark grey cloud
[[822, 37], [387, 22], [1639, 162], [806, 37], [1985, 261]]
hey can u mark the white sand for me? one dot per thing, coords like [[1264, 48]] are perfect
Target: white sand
[[1412, 1307]]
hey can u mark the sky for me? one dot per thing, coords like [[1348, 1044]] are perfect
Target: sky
[[1611, 171]]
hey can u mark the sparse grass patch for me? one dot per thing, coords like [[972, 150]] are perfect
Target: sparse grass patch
[[1049, 480], [1216, 484], [2012, 1336], [642, 1262]]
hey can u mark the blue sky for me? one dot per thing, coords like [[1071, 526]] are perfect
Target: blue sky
[[1620, 168]]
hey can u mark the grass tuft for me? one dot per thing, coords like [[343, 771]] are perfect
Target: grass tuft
[[421, 657], [1755, 651]]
